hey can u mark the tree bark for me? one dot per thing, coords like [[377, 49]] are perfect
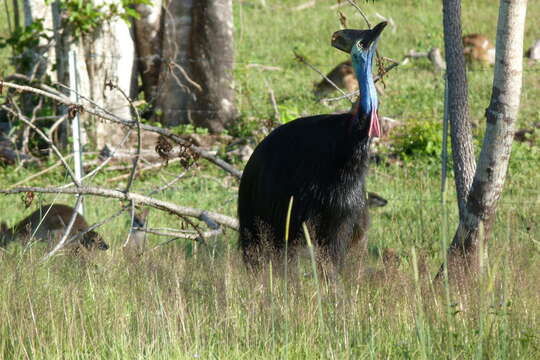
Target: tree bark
[[501, 116], [175, 92], [148, 33], [110, 57], [197, 73], [213, 52], [458, 106]]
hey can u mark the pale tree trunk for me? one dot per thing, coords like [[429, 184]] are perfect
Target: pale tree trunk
[[213, 53], [175, 90], [106, 55], [148, 40], [458, 106], [493, 162], [64, 42], [110, 57]]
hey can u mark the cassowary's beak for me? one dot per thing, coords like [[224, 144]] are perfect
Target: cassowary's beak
[[344, 40]]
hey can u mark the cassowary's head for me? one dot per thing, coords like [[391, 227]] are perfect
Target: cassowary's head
[[362, 44]]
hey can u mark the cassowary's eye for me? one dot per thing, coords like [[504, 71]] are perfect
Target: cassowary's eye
[[360, 45]]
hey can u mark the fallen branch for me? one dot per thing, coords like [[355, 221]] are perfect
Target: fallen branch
[[304, 6], [179, 234], [171, 208], [433, 55], [264, 67]]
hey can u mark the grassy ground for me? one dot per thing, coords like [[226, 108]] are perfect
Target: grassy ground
[[187, 301]]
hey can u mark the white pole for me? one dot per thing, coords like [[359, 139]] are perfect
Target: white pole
[[76, 121]]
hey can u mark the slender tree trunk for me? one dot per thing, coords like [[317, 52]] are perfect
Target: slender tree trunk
[[493, 163], [148, 39], [458, 106], [212, 48], [16, 15]]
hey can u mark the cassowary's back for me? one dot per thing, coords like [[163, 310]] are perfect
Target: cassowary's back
[[321, 161]]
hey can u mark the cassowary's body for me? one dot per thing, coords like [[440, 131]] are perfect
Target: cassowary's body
[[320, 161], [325, 168]]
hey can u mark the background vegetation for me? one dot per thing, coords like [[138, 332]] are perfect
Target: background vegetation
[[187, 300]]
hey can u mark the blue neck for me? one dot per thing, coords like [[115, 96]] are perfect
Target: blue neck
[[362, 64]]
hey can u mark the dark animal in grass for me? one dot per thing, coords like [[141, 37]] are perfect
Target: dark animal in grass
[[321, 161], [48, 223]]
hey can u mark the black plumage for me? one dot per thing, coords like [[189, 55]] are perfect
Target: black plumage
[[321, 161]]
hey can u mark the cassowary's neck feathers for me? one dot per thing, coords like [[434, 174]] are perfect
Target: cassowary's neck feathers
[[368, 95]]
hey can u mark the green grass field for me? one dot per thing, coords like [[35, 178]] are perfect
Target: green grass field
[[190, 301]]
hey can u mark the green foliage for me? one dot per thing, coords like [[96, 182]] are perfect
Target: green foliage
[[84, 17], [288, 113], [189, 129], [419, 139], [23, 39]]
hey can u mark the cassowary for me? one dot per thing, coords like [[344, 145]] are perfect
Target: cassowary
[[321, 161]]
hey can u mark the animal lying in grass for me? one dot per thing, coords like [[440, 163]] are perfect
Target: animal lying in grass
[[321, 162], [479, 48], [342, 75], [48, 223]]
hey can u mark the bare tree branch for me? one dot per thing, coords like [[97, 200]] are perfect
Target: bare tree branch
[[98, 111], [62, 241], [47, 139], [174, 209]]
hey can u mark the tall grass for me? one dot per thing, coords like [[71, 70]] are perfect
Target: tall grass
[[165, 305]]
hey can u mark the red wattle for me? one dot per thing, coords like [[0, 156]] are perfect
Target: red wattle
[[374, 126]]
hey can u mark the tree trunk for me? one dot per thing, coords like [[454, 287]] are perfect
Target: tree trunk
[[148, 39], [110, 57], [212, 48], [197, 73], [458, 106], [493, 163], [175, 91], [16, 15]]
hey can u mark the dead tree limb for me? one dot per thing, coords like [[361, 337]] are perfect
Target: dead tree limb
[[171, 208]]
